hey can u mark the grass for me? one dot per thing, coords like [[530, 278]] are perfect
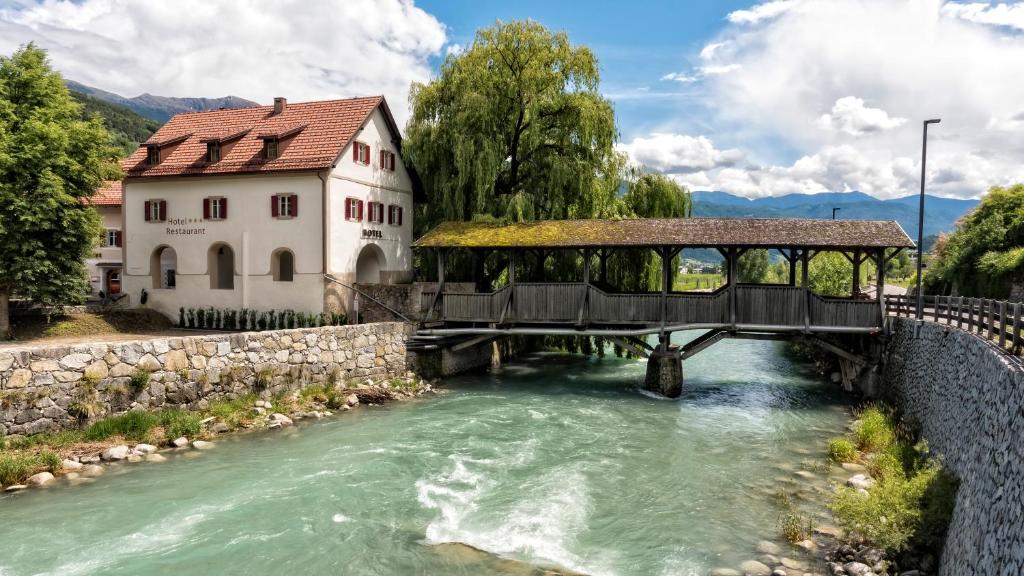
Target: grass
[[235, 412], [135, 426], [63, 439], [697, 281], [139, 379], [842, 450], [178, 423], [16, 467], [88, 324], [912, 500], [795, 527]]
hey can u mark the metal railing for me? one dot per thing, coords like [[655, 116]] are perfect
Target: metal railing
[[995, 320]]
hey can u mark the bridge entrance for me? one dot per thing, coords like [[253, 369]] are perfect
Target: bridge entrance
[[520, 300]]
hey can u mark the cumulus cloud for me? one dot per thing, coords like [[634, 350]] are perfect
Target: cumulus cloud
[[301, 49], [850, 115], [678, 153], [760, 12], [868, 72], [1010, 15], [680, 77]]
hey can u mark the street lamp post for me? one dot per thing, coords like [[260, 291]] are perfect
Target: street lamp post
[[920, 220]]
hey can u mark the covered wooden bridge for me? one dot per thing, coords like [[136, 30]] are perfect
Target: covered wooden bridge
[[589, 305]]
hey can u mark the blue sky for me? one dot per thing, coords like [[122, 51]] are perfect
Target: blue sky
[[753, 98]]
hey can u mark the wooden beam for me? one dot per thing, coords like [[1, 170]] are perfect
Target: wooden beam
[[805, 259], [623, 343], [837, 350], [732, 286], [856, 273], [473, 342]]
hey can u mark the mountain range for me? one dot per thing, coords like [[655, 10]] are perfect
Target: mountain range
[[941, 214], [160, 108]]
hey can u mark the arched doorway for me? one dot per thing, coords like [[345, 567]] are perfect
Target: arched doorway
[[113, 281], [221, 263], [163, 266], [369, 264], [282, 265]]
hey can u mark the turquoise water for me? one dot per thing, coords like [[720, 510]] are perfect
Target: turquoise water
[[555, 460]]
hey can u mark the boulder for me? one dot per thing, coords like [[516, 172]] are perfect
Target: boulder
[[860, 481], [15, 488], [91, 470], [726, 572], [280, 419], [201, 445], [155, 458], [145, 448], [90, 459], [351, 400], [807, 544], [40, 479], [175, 360], [133, 458], [180, 442], [779, 572], [119, 452], [793, 564], [220, 428], [71, 465], [856, 569], [755, 568]]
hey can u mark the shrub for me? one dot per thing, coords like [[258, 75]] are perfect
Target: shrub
[[177, 422], [181, 317], [885, 465], [795, 527], [842, 450], [130, 425], [139, 380], [873, 433], [264, 378], [233, 412], [51, 460]]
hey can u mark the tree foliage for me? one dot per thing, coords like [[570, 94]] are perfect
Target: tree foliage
[[986, 252], [753, 266], [514, 128], [50, 160], [830, 274]]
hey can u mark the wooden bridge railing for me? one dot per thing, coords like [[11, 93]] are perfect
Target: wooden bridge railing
[[995, 320], [770, 306]]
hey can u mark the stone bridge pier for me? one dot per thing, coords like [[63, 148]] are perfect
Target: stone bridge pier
[[665, 369]]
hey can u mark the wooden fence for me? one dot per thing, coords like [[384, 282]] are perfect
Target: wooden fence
[[995, 320]]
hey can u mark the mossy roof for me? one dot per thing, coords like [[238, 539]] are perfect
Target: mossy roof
[[692, 232]]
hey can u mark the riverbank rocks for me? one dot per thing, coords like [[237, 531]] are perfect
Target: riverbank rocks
[[156, 458], [219, 428], [766, 547], [71, 465], [144, 449], [860, 482], [119, 452], [351, 400], [179, 442], [279, 420], [15, 488], [202, 445], [726, 572], [39, 480]]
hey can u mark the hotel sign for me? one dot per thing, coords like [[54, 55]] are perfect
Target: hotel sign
[[185, 227]]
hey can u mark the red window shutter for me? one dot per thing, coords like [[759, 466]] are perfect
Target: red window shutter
[[163, 210], [273, 206], [391, 215], [360, 216], [391, 163], [206, 208], [383, 162], [223, 208], [117, 239], [149, 213], [348, 208], [355, 151], [295, 205], [380, 212]]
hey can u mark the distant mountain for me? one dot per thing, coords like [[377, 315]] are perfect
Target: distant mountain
[[941, 214], [127, 128], [160, 108]]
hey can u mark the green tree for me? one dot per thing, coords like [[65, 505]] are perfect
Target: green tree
[[753, 266], [830, 274], [514, 128], [986, 252], [50, 160]]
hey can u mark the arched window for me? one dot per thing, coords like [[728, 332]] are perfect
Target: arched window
[[221, 263], [282, 265], [163, 265], [369, 264]]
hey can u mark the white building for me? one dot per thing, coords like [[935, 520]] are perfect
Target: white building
[[104, 267], [259, 207]]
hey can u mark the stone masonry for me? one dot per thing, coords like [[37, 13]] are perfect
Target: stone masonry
[[968, 397], [46, 388]]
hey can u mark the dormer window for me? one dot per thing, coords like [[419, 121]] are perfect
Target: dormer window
[[152, 155], [270, 148], [213, 152]]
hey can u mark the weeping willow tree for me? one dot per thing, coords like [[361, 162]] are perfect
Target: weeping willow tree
[[513, 129]]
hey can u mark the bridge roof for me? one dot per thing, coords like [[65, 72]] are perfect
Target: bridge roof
[[648, 232]]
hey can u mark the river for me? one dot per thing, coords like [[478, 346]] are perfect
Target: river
[[556, 460]]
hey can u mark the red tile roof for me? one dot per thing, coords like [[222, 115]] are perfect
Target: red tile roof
[[107, 195], [327, 127]]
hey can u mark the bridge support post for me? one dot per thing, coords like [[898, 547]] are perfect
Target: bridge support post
[[665, 370]]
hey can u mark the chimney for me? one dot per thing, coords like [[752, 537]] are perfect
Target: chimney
[[280, 103]]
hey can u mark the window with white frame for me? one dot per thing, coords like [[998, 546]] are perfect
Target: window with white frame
[[361, 153], [387, 160], [353, 209], [215, 208], [284, 206], [156, 210], [112, 238], [395, 215]]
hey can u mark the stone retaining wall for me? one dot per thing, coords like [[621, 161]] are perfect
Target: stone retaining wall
[[968, 397], [46, 388]]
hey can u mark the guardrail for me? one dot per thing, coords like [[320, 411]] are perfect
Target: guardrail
[[995, 320]]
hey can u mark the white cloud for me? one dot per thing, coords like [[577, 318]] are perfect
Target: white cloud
[[454, 49], [870, 71], [678, 153], [680, 77], [1011, 15], [760, 12], [850, 115], [301, 49]]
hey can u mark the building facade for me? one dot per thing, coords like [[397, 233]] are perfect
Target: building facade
[[268, 208], [104, 267]]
